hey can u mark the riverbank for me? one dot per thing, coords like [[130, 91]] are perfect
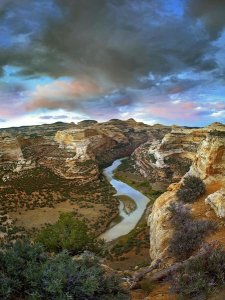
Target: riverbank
[[127, 174], [131, 251], [129, 221]]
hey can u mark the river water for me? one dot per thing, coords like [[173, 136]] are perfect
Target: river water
[[128, 221]]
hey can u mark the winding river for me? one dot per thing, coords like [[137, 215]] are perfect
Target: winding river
[[128, 221]]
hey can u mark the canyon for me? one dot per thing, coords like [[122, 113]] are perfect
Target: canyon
[[49, 169], [44, 166]]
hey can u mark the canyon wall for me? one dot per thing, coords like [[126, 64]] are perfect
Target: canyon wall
[[167, 160], [74, 152], [206, 149]]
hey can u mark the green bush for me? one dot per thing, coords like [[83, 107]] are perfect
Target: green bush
[[69, 234], [191, 189], [27, 272], [201, 275]]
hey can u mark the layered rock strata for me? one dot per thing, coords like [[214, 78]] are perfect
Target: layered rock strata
[[207, 152]]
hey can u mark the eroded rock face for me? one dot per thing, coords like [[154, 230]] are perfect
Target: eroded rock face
[[210, 158], [167, 160], [74, 151], [217, 202], [9, 148], [105, 142], [87, 143], [206, 149], [160, 227]]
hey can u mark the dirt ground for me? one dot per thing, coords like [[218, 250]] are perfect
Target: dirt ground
[[38, 217]]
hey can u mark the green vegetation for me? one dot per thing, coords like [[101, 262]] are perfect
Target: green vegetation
[[202, 275], [191, 189], [132, 240], [217, 133], [188, 234], [152, 158], [40, 187], [127, 165], [177, 163], [27, 272], [126, 173], [140, 185], [69, 234]]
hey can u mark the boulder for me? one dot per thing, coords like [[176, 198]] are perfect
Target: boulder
[[217, 202]]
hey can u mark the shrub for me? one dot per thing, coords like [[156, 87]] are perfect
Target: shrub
[[191, 188], [69, 234], [188, 234], [27, 272], [201, 275]]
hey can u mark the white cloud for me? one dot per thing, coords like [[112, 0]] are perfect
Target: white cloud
[[218, 114], [42, 118]]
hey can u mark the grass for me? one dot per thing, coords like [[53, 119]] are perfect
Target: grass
[[127, 173], [135, 181]]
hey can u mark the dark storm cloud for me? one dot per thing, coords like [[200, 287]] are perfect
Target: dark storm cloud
[[123, 40], [211, 12], [114, 41], [21, 26]]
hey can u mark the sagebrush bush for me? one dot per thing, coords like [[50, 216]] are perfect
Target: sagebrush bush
[[27, 272], [68, 233], [191, 189], [188, 233], [201, 275]]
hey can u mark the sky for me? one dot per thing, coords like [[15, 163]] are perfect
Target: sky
[[157, 61]]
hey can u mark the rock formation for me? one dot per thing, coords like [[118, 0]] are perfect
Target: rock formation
[[206, 149], [210, 159], [167, 160], [217, 202]]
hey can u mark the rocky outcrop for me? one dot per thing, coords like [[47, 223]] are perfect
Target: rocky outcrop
[[217, 202], [210, 159], [87, 123], [10, 150], [206, 149], [89, 142], [102, 143], [160, 227], [169, 159]]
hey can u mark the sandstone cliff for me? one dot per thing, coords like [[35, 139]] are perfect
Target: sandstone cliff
[[102, 143], [206, 149], [167, 160]]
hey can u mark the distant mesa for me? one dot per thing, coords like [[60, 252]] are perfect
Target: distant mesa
[[86, 123]]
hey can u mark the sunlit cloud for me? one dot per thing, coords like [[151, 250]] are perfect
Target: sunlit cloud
[[62, 94], [218, 114]]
